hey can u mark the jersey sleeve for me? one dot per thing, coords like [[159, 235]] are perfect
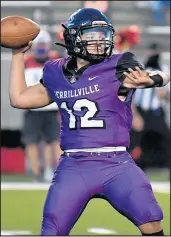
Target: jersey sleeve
[[46, 78], [127, 60], [46, 75]]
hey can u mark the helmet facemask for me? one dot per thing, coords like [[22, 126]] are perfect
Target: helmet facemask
[[91, 43], [96, 42]]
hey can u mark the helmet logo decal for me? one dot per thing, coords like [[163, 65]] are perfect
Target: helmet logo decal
[[85, 23], [99, 23]]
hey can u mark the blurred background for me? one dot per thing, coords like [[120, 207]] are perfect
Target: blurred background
[[27, 163]]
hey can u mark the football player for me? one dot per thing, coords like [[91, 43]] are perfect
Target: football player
[[93, 90]]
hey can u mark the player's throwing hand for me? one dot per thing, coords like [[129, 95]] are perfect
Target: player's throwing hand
[[23, 49]]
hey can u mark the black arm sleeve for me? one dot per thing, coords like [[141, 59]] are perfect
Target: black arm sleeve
[[128, 60]]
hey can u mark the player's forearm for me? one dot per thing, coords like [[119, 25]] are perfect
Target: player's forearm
[[17, 82], [144, 79], [157, 78], [165, 77]]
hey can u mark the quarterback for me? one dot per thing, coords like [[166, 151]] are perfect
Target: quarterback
[[93, 89]]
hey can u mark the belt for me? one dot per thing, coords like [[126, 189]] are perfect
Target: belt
[[100, 149], [94, 151], [97, 154]]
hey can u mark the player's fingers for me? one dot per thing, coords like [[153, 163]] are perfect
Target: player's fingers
[[141, 73], [133, 73], [30, 43], [129, 76], [27, 47]]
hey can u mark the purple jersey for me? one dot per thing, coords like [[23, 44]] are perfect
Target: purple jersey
[[92, 114]]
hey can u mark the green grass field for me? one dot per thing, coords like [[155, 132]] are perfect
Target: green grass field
[[22, 210]]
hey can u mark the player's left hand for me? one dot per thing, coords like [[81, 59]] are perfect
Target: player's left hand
[[137, 78]]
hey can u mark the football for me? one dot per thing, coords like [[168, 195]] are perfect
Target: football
[[17, 31]]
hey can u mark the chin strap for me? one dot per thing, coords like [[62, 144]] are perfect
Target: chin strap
[[63, 45], [72, 52]]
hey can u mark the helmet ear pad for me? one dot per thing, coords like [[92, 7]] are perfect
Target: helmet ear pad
[[70, 36]]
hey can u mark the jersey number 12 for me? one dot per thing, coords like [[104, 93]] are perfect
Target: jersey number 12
[[88, 119]]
